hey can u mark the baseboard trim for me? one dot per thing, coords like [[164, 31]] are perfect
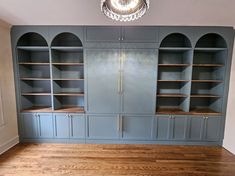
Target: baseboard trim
[[9, 144]]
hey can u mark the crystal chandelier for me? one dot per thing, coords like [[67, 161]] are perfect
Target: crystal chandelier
[[124, 10]]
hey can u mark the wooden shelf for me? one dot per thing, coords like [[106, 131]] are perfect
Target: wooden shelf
[[173, 65], [69, 94], [175, 111], [34, 63], [203, 111], [68, 64], [73, 109], [210, 49], [209, 81], [33, 48], [172, 95], [37, 109], [208, 65], [178, 111], [67, 48], [68, 79], [35, 79], [36, 94], [173, 80], [175, 49], [204, 96]]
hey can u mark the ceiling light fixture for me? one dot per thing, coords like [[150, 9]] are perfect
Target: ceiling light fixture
[[124, 10]]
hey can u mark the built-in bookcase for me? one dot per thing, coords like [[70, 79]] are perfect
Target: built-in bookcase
[[60, 78], [209, 61], [191, 81], [34, 73], [174, 61], [68, 73]]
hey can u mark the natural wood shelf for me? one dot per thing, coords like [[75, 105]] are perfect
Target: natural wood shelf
[[172, 95], [175, 111], [34, 48], [179, 49], [209, 49], [173, 65], [67, 48], [173, 80], [69, 94], [37, 109], [208, 65], [73, 109], [209, 81], [68, 64], [34, 63], [204, 96], [68, 79], [36, 93], [35, 79], [203, 111], [178, 111]]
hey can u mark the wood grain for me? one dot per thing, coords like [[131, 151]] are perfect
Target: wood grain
[[116, 160]]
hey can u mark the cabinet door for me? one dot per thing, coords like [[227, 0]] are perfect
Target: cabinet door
[[139, 81], [78, 126], [103, 33], [139, 34], [103, 127], [196, 128], [45, 121], [61, 125], [103, 80], [138, 128], [28, 126], [212, 128], [163, 124], [179, 127]]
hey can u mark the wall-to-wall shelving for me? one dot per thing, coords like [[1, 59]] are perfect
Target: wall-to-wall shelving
[[101, 84]]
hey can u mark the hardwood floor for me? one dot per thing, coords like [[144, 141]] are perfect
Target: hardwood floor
[[97, 160]]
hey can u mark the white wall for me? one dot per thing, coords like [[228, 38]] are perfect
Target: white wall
[[8, 123]]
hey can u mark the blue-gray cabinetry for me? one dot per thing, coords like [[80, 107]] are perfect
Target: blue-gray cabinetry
[[69, 126], [122, 84], [37, 125]]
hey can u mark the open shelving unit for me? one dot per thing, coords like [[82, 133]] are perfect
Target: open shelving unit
[[191, 83], [174, 65], [209, 61], [67, 73], [34, 73]]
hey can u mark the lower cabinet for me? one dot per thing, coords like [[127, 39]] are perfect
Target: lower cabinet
[[69, 126], [120, 127], [170, 127], [205, 128], [36, 125], [103, 126], [137, 127], [28, 126]]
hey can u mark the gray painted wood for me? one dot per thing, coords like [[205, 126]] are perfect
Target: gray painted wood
[[138, 81], [163, 127], [179, 127], [103, 80], [212, 128], [103, 127], [62, 125], [77, 126], [29, 126], [45, 125], [137, 127]]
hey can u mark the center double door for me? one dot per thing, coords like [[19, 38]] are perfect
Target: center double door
[[121, 80]]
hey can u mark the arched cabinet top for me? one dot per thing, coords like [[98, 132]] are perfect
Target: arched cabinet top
[[32, 39], [66, 39], [176, 40], [211, 40]]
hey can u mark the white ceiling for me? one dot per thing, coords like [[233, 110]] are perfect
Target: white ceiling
[[87, 12]]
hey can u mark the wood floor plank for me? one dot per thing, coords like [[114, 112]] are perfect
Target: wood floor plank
[[116, 160]]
